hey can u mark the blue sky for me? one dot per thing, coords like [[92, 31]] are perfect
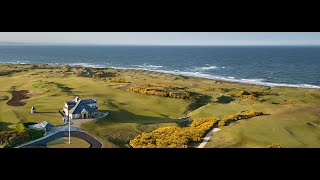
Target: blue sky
[[166, 38]]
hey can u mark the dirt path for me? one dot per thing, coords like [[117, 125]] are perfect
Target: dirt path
[[207, 137]]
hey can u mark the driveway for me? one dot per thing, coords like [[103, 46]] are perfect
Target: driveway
[[82, 135]]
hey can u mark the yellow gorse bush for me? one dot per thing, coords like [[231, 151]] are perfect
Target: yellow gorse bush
[[162, 93], [235, 117], [254, 95], [248, 95], [159, 85], [174, 137], [118, 80], [275, 145]]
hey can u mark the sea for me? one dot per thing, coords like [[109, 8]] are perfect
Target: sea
[[292, 66]]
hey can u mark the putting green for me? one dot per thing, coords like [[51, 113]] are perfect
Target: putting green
[[64, 143]]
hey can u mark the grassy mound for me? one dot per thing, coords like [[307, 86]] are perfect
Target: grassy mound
[[52, 87]]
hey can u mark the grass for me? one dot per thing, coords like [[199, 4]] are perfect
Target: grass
[[64, 143], [132, 113]]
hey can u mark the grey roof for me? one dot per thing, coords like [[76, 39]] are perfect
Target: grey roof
[[80, 105], [49, 125], [71, 103], [89, 101]]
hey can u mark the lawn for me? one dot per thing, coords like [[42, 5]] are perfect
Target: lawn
[[64, 143], [130, 113]]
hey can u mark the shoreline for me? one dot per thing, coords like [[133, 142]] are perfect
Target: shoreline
[[223, 79], [187, 74]]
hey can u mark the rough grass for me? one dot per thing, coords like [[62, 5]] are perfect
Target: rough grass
[[132, 113], [52, 87]]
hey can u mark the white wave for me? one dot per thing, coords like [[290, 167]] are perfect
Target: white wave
[[147, 66], [230, 79], [88, 65], [15, 62], [252, 80], [205, 68]]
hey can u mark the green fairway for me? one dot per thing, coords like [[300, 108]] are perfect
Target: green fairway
[[64, 143], [130, 113]]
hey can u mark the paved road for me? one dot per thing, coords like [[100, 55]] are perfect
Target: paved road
[[82, 135], [207, 137]]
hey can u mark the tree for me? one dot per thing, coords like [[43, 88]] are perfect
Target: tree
[[20, 128]]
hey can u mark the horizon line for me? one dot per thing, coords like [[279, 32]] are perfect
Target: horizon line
[[91, 44]]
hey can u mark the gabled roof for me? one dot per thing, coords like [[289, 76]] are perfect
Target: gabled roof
[[40, 126], [80, 105], [71, 103], [89, 101]]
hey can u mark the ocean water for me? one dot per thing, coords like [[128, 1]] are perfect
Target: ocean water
[[294, 66]]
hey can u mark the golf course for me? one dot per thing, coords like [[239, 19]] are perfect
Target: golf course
[[145, 102]]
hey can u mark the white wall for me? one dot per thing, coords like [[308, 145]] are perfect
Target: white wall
[[76, 116]]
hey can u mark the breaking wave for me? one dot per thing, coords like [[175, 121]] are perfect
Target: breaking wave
[[14, 62], [146, 66], [195, 72], [230, 78]]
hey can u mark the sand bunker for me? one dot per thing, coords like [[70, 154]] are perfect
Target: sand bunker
[[17, 96]]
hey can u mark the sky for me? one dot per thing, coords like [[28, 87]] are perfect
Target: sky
[[164, 38]]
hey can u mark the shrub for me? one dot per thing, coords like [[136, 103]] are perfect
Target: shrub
[[209, 88], [163, 93], [118, 80], [254, 95], [19, 136], [275, 145], [98, 74], [35, 134], [174, 137], [247, 95], [8, 72], [236, 117], [159, 85], [66, 68], [20, 128], [4, 98]]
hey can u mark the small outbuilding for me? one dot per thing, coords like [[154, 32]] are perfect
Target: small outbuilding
[[33, 110], [41, 126]]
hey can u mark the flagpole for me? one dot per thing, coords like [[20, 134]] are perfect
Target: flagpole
[[69, 128]]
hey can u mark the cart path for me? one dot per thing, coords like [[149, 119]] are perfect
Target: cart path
[[207, 137]]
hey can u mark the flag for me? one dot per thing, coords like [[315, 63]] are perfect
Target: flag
[[66, 119]]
